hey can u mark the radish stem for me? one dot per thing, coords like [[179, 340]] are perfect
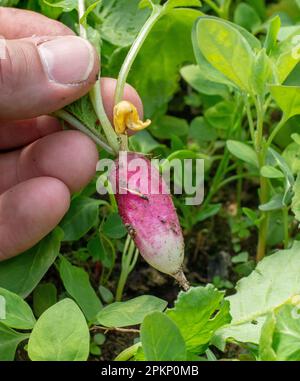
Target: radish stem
[[130, 58], [96, 98], [96, 95], [81, 11], [134, 50]]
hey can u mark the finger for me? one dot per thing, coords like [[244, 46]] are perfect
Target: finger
[[108, 86], [41, 75], [17, 23], [69, 156], [17, 134], [29, 211]]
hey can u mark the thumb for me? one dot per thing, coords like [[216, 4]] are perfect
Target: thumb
[[41, 75]]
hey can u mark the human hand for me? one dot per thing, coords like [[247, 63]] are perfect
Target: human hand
[[40, 165]]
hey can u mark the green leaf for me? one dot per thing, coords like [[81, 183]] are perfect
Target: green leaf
[[82, 216], [144, 142], [49, 10], [77, 284], [226, 49], [281, 335], [60, 334], [289, 178], [161, 339], [291, 155], [114, 227], [266, 352], [44, 296], [155, 74], [22, 274], [9, 341], [221, 115], [197, 79], [99, 338], [9, 3], [167, 126], [272, 34], [271, 172], [101, 249], [90, 9], [266, 288], [262, 72], [287, 98], [296, 138], [209, 211], [83, 109], [148, 3], [18, 314], [286, 56], [106, 295], [66, 5], [132, 312], [201, 131], [296, 198], [246, 16], [182, 3], [121, 20], [252, 215], [259, 6], [198, 313], [275, 203], [243, 257], [242, 151]]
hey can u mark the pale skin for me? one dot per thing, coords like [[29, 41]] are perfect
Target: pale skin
[[41, 165]]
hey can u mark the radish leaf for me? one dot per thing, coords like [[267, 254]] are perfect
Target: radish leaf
[[161, 339]]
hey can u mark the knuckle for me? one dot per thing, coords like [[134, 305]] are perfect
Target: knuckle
[[14, 67], [6, 71]]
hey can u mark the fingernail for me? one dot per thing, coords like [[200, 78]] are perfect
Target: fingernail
[[67, 60]]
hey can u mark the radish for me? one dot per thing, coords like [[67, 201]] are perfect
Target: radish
[[148, 213]]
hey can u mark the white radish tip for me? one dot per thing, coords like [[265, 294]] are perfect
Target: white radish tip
[[181, 280]]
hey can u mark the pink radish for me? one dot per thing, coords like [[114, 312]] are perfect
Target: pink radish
[[150, 217]]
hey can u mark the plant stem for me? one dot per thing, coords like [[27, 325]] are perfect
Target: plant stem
[[285, 212], [276, 131], [129, 259], [134, 50], [107, 184], [236, 178], [217, 178], [81, 11], [96, 96], [223, 165], [111, 136], [64, 115], [122, 330], [264, 224], [213, 6], [250, 120], [130, 58], [225, 9], [264, 188]]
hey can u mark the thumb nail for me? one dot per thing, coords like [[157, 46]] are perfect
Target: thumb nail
[[67, 60]]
